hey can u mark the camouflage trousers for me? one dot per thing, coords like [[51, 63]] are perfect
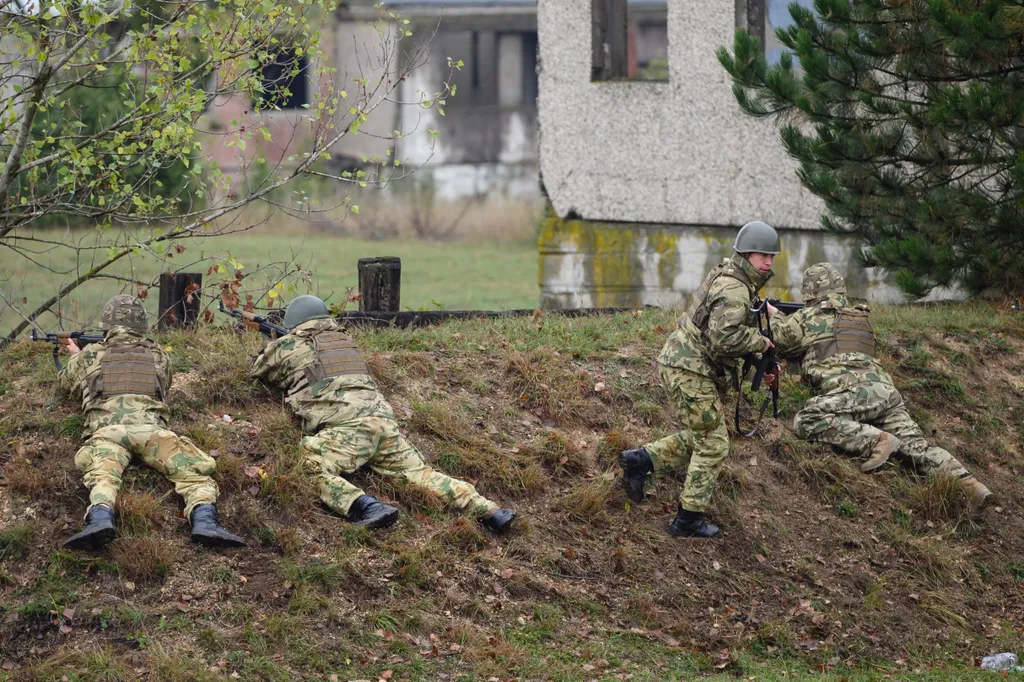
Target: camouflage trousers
[[702, 445], [377, 442], [852, 418], [109, 450]]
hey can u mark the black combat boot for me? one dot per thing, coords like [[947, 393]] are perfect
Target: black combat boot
[[370, 512], [636, 464], [500, 520], [98, 531], [206, 529], [689, 524]]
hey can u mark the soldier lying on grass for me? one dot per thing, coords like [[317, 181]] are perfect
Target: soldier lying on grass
[[123, 382], [858, 408], [349, 424]]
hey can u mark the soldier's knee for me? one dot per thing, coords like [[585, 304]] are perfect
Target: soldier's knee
[[204, 465], [808, 424]]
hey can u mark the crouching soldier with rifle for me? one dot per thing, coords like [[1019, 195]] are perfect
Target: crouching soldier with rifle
[[349, 424], [122, 381], [698, 363], [858, 408]]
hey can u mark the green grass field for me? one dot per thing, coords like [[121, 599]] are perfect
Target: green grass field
[[469, 274]]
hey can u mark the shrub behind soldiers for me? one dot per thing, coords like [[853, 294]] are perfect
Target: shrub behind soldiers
[[858, 408], [123, 383], [349, 424]]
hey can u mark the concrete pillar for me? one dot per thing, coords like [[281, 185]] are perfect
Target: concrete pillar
[[510, 69]]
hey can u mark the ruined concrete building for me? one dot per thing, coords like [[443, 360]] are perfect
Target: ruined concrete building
[[649, 180], [487, 144]]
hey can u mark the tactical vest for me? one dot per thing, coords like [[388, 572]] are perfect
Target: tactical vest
[[336, 355], [699, 312], [127, 369], [851, 333]]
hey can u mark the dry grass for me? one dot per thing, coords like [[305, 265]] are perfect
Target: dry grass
[[465, 453], [609, 447], [147, 558], [27, 478], [939, 499], [386, 374], [283, 482], [559, 454], [587, 501], [543, 382], [136, 512], [230, 474]]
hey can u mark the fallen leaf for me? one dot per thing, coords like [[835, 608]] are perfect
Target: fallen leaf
[[600, 387], [69, 613], [715, 565]]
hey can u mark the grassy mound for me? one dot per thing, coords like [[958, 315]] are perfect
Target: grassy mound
[[822, 570]]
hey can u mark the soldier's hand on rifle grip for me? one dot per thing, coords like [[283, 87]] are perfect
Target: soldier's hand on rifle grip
[[768, 345], [770, 308], [71, 346]]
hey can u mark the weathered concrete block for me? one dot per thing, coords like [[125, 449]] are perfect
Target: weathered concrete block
[[592, 264]]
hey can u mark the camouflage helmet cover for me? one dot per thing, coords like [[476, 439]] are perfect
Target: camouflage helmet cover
[[303, 309], [821, 279], [124, 311], [757, 236]]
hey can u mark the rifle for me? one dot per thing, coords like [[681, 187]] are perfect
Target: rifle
[[769, 363], [266, 327], [785, 307], [58, 339]]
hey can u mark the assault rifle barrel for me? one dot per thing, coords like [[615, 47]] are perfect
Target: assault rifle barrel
[[785, 307], [268, 328], [58, 339]]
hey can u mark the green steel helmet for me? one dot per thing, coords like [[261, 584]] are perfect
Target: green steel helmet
[[124, 311], [303, 309], [821, 279], [757, 236]]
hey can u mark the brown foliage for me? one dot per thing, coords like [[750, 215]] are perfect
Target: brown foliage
[[145, 558]]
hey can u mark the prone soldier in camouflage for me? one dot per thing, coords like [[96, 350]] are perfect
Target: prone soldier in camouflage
[[349, 424], [858, 408], [123, 383], [697, 365]]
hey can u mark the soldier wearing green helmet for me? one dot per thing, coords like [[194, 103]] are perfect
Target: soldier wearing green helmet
[[857, 409], [122, 383], [349, 424], [699, 362]]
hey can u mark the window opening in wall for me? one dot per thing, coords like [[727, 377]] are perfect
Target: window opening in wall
[[285, 82], [476, 83], [762, 18], [529, 93], [474, 60], [629, 40]]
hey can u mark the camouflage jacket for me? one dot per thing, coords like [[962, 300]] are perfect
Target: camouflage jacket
[[795, 334], [731, 328], [282, 364], [81, 367]]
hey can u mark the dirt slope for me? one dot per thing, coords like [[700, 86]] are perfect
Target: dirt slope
[[820, 567]]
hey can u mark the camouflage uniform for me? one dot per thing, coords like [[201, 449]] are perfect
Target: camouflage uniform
[[350, 424], [124, 425], [857, 400], [697, 367]]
